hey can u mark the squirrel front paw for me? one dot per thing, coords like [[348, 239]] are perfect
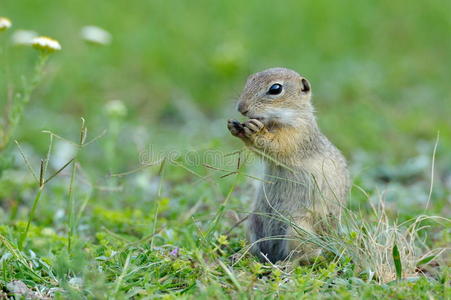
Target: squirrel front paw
[[235, 128], [246, 129], [251, 127]]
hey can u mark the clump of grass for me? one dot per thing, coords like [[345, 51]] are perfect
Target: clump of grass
[[381, 249]]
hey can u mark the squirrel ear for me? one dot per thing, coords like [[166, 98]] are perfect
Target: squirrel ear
[[305, 85]]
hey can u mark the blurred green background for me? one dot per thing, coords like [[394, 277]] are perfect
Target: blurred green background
[[380, 70], [380, 73]]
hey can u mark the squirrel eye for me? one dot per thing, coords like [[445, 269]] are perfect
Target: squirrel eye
[[275, 89]]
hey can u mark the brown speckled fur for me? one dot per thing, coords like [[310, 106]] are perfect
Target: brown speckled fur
[[307, 179]]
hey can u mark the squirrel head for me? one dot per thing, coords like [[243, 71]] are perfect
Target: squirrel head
[[276, 96]]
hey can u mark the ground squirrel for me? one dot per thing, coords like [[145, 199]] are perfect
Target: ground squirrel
[[306, 177]]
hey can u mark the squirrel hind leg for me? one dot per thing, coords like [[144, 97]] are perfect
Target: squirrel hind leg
[[272, 250], [271, 245], [301, 250]]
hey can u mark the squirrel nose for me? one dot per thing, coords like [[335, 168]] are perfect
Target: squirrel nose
[[242, 108]]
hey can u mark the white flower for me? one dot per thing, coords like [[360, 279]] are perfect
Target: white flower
[[116, 108], [96, 35], [23, 37], [5, 23], [46, 44]]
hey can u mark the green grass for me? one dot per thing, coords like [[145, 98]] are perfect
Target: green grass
[[121, 221]]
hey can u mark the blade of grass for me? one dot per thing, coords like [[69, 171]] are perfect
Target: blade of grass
[[155, 219], [230, 275], [27, 163], [161, 175], [47, 158], [71, 206], [432, 171], [121, 277], [426, 260], [57, 172], [397, 261], [134, 170], [24, 234], [221, 209]]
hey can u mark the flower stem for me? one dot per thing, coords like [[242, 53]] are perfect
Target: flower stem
[[70, 209], [21, 100], [24, 234]]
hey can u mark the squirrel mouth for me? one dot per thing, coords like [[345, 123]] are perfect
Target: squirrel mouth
[[260, 118], [264, 120]]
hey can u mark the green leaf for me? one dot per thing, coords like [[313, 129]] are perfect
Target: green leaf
[[426, 260], [397, 261]]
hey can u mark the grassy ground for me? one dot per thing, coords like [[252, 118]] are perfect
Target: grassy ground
[[164, 224]]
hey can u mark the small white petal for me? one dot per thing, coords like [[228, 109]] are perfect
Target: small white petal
[[96, 35], [5, 23], [23, 37]]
